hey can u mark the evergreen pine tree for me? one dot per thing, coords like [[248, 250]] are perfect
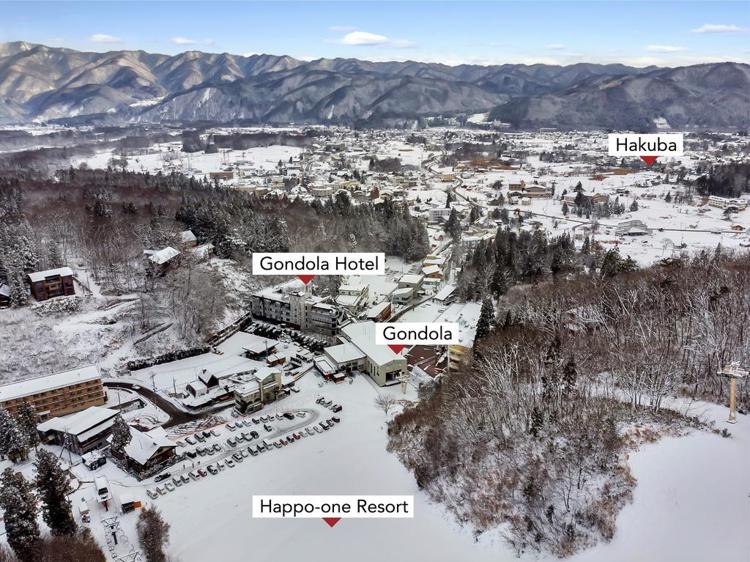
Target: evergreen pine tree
[[120, 436], [13, 441], [54, 487], [486, 319], [26, 419], [18, 503], [453, 225], [634, 206], [565, 209]]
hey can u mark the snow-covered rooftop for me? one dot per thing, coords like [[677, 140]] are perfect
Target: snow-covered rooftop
[[164, 255], [362, 334], [37, 276], [81, 422], [143, 446], [345, 352]]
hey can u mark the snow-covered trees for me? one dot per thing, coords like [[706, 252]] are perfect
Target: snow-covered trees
[[120, 436], [520, 437], [153, 534], [26, 419], [18, 503], [54, 487], [14, 443], [486, 319]]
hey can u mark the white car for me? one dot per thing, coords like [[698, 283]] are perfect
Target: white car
[[169, 486], [152, 494]]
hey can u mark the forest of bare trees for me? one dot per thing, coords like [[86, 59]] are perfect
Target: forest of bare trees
[[538, 440]]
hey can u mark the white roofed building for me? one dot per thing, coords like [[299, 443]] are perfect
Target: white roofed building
[[359, 352], [80, 432]]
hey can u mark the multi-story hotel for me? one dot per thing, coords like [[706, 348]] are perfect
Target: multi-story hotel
[[56, 395]]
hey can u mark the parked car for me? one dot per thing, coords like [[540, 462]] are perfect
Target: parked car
[[337, 408], [301, 414], [185, 478], [161, 490], [323, 425], [294, 389], [288, 415], [309, 431], [267, 427], [240, 437], [216, 447], [317, 429], [256, 420], [255, 434], [247, 423], [202, 472], [189, 439], [201, 451], [336, 419], [320, 400], [199, 438], [230, 463], [162, 476], [194, 474], [215, 432], [212, 469], [207, 434], [220, 465], [177, 481], [180, 443], [152, 493], [191, 454], [277, 444], [169, 486], [252, 450], [231, 426], [231, 442]]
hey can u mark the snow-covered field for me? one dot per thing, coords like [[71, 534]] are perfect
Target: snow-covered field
[[690, 503]]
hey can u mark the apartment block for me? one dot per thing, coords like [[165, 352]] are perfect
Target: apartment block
[[56, 395]]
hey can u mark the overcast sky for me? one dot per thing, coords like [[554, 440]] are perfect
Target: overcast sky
[[561, 32]]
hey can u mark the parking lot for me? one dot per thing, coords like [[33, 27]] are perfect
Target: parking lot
[[208, 451]]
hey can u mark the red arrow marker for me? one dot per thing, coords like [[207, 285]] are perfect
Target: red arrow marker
[[331, 521], [305, 278], [649, 160], [396, 347]]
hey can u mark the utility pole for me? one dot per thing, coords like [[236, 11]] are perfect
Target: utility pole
[[733, 372]]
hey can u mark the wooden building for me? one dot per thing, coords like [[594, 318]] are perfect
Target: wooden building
[[51, 283]]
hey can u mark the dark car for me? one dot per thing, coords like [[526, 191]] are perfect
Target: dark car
[[337, 408], [267, 427], [336, 419], [255, 434], [162, 476], [289, 415]]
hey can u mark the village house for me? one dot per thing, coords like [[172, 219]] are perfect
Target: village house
[[51, 283], [147, 453], [160, 261]]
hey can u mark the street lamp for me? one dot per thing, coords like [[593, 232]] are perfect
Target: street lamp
[[733, 372]]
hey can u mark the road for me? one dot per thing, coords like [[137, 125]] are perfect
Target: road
[[176, 415]]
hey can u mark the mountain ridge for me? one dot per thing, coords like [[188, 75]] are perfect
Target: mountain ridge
[[38, 82]]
